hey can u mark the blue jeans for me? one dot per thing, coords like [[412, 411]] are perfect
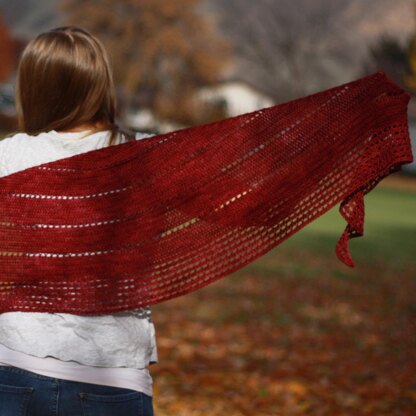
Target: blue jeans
[[23, 393]]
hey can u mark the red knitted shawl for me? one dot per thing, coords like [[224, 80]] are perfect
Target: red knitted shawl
[[141, 222]]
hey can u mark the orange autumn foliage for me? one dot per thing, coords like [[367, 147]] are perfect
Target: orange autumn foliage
[[162, 51], [7, 51]]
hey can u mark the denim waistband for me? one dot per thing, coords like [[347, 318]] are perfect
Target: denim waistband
[[26, 373]]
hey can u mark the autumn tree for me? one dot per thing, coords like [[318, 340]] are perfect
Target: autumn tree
[[162, 51], [7, 52]]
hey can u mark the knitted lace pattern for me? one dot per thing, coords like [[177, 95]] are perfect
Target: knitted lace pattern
[[138, 223]]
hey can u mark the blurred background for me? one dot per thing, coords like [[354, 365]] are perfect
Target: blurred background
[[304, 334]]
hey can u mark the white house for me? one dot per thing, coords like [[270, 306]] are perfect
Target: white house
[[238, 97], [144, 120]]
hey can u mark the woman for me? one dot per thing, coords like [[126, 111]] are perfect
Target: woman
[[59, 363]]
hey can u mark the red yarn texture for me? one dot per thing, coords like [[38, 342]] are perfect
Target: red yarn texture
[[138, 223]]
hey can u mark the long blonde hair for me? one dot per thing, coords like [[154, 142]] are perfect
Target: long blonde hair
[[64, 79]]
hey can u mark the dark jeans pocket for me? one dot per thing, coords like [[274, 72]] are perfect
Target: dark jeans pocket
[[117, 404], [14, 400]]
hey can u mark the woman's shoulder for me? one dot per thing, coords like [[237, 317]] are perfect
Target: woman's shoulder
[[12, 137], [9, 147], [19, 137]]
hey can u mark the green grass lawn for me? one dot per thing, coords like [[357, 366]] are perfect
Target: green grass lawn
[[389, 229], [389, 240]]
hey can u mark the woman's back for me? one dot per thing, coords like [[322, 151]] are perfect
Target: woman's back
[[125, 339]]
